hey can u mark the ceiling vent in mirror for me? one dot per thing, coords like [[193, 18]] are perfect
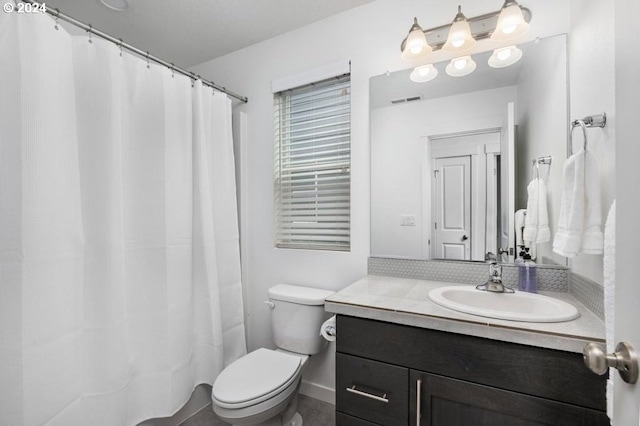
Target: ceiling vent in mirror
[[405, 100]]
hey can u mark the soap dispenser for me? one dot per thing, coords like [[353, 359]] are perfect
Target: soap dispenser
[[527, 274]]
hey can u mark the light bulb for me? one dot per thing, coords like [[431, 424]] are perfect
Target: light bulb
[[460, 38], [461, 66], [415, 46], [511, 23], [505, 56], [423, 73], [508, 28], [414, 43]]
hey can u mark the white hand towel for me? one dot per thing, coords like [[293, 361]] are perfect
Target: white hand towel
[[592, 238], [531, 220], [580, 218], [536, 225], [519, 220], [609, 294]]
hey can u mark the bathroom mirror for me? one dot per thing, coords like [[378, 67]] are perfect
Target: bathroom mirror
[[445, 182]]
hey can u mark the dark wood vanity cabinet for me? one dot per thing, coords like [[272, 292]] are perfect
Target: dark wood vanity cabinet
[[389, 374]]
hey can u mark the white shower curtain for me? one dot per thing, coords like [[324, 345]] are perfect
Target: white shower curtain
[[120, 281]]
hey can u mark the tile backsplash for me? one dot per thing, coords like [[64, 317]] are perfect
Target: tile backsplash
[[588, 292], [550, 277]]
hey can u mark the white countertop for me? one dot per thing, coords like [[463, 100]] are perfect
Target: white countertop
[[405, 301]]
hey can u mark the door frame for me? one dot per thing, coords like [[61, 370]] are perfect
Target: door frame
[[480, 177]]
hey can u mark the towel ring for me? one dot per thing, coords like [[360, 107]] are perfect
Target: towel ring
[[535, 165], [577, 123]]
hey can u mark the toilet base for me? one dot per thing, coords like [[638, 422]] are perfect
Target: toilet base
[[296, 420], [283, 413]]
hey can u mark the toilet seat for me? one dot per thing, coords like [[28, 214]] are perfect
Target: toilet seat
[[256, 377]]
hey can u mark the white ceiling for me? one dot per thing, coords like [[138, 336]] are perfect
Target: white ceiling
[[189, 32]]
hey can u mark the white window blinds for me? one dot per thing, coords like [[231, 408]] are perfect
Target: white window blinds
[[312, 165]]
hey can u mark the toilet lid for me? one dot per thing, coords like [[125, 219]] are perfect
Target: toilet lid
[[255, 377]]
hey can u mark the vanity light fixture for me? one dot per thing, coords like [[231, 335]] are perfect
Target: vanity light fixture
[[459, 67], [505, 56], [423, 73], [460, 36]]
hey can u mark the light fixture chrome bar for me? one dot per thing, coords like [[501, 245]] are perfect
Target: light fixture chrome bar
[[59, 15], [598, 120], [482, 27]]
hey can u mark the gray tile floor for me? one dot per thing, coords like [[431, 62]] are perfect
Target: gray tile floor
[[313, 412]]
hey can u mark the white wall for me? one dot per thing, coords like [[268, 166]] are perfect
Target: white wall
[[370, 36], [396, 133], [592, 70], [543, 87]]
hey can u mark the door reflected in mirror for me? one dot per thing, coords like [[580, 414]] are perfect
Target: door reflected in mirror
[[450, 158]]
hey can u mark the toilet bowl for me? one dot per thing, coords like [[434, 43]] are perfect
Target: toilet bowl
[[261, 388]]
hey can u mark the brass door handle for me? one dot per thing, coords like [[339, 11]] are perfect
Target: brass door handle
[[624, 359]]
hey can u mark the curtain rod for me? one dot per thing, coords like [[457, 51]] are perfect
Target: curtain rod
[[59, 15]]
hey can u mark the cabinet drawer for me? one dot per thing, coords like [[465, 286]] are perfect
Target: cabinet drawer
[[372, 390], [346, 420]]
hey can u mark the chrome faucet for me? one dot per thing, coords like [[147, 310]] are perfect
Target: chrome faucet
[[495, 284]]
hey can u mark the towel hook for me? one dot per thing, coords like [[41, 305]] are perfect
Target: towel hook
[[578, 122]]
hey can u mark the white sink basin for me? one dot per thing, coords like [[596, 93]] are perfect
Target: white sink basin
[[518, 306]]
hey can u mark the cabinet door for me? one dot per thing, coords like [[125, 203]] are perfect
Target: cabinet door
[[442, 401]]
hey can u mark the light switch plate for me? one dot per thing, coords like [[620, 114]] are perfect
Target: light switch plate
[[407, 220]]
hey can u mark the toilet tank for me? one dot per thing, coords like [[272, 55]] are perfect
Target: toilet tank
[[296, 317]]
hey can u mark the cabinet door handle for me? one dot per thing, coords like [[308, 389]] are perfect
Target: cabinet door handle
[[382, 398], [418, 395]]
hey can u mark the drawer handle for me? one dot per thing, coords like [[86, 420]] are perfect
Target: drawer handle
[[382, 398]]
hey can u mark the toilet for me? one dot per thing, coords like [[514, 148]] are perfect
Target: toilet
[[261, 388]]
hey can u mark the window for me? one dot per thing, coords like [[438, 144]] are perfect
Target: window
[[312, 165]]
